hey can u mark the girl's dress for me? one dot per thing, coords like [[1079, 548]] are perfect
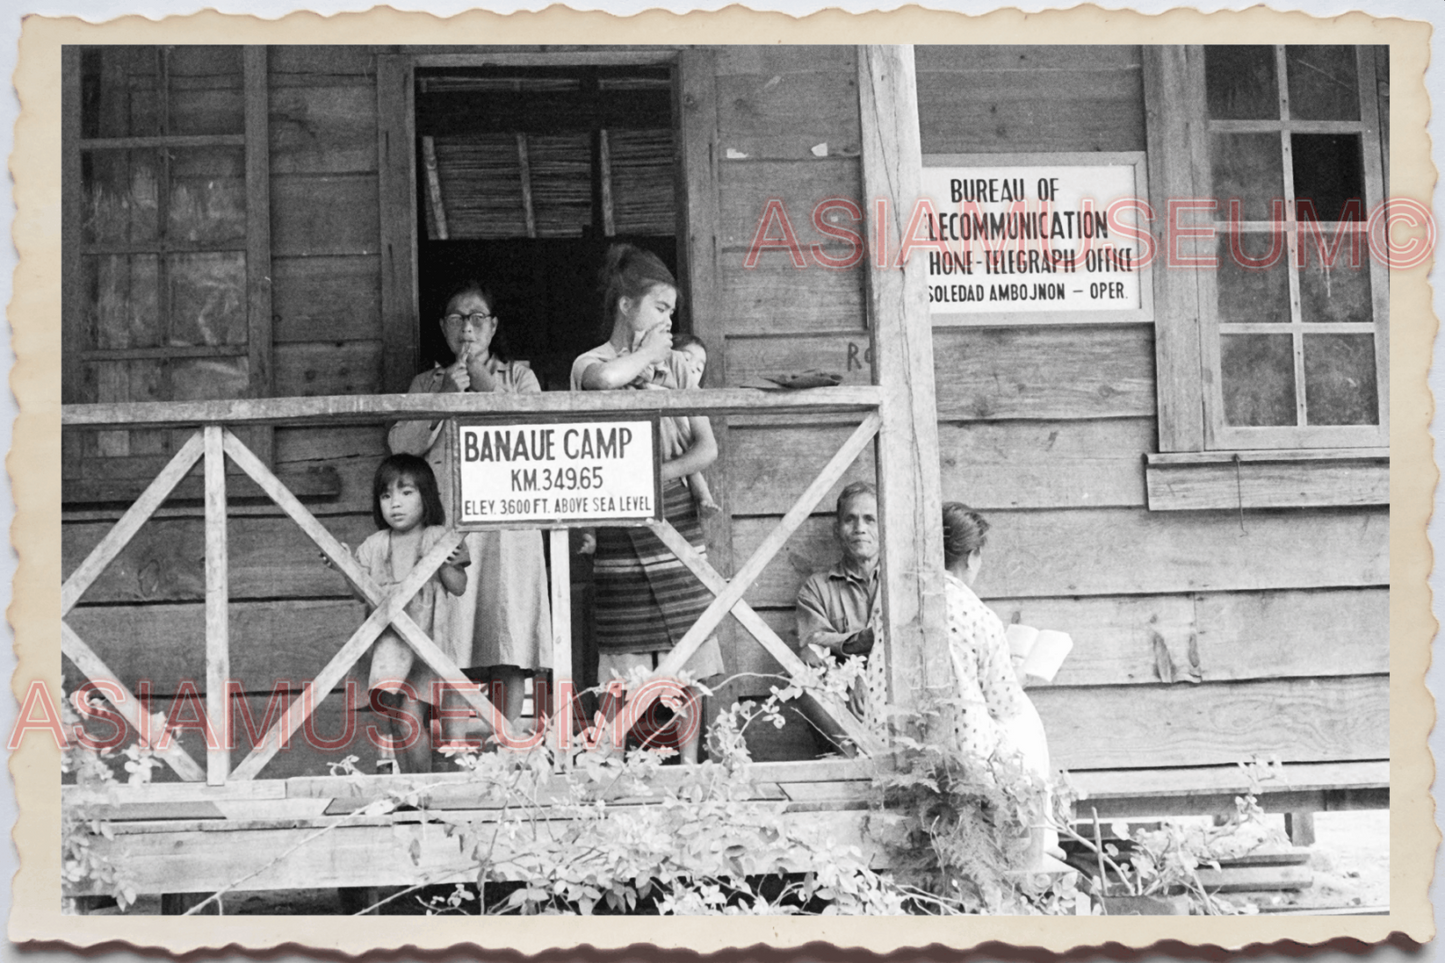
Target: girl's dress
[[503, 617], [646, 598], [994, 714], [392, 660]]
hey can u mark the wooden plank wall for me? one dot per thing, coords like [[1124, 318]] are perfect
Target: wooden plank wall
[[787, 130], [325, 256], [1281, 614], [289, 613]]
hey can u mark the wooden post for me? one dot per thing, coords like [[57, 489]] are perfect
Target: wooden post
[[396, 187], [1168, 96], [562, 693], [72, 207], [1300, 827], [604, 161], [218, 646], [434, 187], [910, 505], [524, 170], [258, 240]]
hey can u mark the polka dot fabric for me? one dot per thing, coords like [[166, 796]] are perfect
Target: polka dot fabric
[[988, 690]]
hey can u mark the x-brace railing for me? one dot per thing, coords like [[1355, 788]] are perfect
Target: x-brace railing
[[728, 595], [214, 442]]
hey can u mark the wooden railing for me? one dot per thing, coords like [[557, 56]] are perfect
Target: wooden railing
[[214, 441]]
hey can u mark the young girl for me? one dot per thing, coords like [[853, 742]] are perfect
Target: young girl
[[694, 355], [410, 521]]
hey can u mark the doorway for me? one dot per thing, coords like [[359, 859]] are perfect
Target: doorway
[[525, 175]]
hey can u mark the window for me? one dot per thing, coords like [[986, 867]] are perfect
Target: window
[[1274, 331], [166, 227]]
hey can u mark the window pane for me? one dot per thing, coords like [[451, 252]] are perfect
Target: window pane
[[1329, 171], [1340, 379], [120, 196], [1250, 167], [120, 304], [1323, 83], [200, 379], [1250, 288], [122, 91], [1257, 379], [208, 298], [118, 92], [207, 201], [1340, 292], [1240, 83], [206, 90]]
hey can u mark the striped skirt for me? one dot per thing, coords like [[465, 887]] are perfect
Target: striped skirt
[[646, 598]]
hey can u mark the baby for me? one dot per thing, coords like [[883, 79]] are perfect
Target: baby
[[695, 354]]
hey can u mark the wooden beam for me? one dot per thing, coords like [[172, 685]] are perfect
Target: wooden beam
[[124, 529], [172, 140], [125, 702], [218, 644], [1144, 783], [361, 851], [434, 187], [524, 166], [396, 192], [549, 56], [1170, 112], [354, 790], [604, 161], [910, 505], [861, 736], [1262, 483], [259, 337], [72, 232], [333, 410], [562, 692]]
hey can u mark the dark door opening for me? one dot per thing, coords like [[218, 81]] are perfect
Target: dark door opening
[[525, 176]]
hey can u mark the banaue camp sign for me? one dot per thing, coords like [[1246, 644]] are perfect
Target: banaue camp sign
[[1042, 237], [557, 472]]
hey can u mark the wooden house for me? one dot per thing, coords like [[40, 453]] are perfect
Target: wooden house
[[258, 239]]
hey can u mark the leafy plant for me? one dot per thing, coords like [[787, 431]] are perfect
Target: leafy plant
[[964, 834], [83, 867], [1165, 861]]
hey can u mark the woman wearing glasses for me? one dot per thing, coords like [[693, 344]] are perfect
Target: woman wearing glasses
[[500, 627]]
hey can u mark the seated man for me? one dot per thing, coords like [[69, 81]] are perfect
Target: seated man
[[837, 609]]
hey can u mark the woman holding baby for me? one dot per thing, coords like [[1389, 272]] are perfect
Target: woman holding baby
[[502, 619]]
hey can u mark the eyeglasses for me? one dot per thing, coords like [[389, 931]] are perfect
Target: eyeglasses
[[475, 320]]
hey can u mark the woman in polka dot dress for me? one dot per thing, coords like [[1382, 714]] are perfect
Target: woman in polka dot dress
[[993, 715]]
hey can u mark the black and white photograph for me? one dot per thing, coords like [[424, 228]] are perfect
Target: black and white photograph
[[761, 479]]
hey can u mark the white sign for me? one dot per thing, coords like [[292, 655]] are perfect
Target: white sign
[[1041, 237], [557, 472]]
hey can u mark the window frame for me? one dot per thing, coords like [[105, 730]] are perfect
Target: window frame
[[1193, 442], [254, 140]]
